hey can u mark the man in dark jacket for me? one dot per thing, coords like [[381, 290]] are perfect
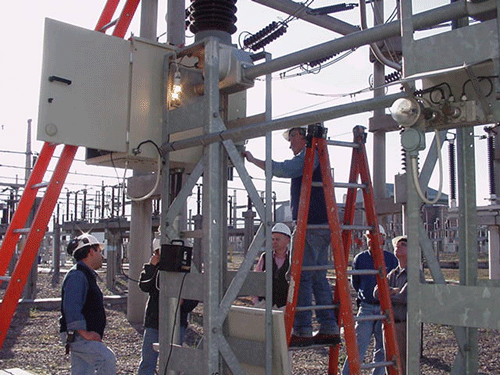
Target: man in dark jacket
[[149, 283], [82, 307], [281, 263]]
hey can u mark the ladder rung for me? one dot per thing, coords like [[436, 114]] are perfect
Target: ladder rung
[[105, 27], [356, 227], [318, 268], [362, 272], [317, 307], [366, 366], [346, 185], [40, 185], [349, 185], [22, 230], [342, 144], [342, 226], [365, 318]]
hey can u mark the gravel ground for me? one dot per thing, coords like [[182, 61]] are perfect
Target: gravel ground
[[32, 342]]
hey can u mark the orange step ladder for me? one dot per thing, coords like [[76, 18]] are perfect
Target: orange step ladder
[[36, 232], [341, 236]]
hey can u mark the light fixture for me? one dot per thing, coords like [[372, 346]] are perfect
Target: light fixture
[[176, 87], [405, 111]]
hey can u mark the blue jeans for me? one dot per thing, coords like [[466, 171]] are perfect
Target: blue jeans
[[91, 357], [364, 332], [149, 355], [315, 282]]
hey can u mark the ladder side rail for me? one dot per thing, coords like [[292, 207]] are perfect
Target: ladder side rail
[[125, 18], [107, 14], [348, 220], [350, 204], [299, 239], [342, 283], [24, 207], [33, 240], [391, 347], [349, 213]]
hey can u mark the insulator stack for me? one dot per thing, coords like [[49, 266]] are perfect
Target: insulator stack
[[453, 178], [403, 155], [212, 15], [491, 162], [314, 63], [275, 35], [393, 77], [251, 40]]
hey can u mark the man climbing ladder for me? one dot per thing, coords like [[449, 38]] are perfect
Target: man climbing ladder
[[316, 152], [317, 241]]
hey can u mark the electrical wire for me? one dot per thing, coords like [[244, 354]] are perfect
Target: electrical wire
[[158, 172], [416, 178], [480, 78]]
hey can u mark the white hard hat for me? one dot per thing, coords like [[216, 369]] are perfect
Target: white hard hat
[[395, 240], [286, 133], [156, 244], [380, 229], [87, 240], [281, 228]]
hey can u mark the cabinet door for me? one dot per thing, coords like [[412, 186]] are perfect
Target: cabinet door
[[85, 88]]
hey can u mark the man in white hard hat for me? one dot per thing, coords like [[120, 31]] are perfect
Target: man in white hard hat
[[316, 246], [368, 304], [398, 280], [281, 262], [82, 306]]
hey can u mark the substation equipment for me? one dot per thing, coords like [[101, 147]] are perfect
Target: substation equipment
[[119, 99]]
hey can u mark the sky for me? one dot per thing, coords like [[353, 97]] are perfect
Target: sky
[[20, 68]]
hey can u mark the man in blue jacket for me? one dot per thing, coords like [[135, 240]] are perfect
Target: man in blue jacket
[[369, 305], [316, 245], [82, 307]]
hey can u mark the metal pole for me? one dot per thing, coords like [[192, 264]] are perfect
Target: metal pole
[[175, 23], [467, 233], [379, 144], [149, 19], [258, 130], [422, 20], [29, 154], [268, 223], [212, 209]]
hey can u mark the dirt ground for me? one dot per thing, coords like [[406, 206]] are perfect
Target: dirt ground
[[32, 342]]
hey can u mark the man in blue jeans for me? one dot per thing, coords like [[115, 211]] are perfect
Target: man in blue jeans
[[83, 318], [368, 305], [316, 246]]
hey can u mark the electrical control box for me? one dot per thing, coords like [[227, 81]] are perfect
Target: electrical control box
[[106, 94]]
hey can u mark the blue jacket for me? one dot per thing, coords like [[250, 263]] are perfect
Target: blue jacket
[[364, 284], [293, 168], [82, 302]]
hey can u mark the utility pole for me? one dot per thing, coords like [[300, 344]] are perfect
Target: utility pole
[[29, 154]]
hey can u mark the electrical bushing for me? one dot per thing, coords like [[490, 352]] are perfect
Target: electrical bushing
[[212, 15]]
